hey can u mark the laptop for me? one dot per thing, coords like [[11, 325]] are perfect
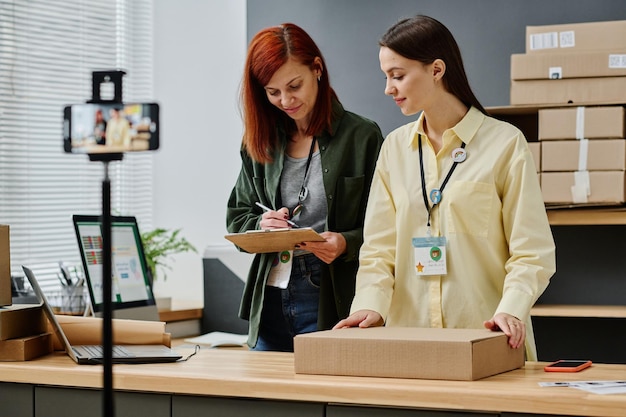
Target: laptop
[[92, 354], [132, 296]]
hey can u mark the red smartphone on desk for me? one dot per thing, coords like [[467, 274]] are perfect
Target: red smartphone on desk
[[567, 366]]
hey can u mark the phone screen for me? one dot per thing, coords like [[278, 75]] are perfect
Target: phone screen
[[568, 365], [110, 127]]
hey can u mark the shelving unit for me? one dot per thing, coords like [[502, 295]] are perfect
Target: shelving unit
[[588, 311], [582, 313], [587, 216]]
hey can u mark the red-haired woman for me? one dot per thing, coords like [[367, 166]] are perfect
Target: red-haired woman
[[309, 161], [100, 127]]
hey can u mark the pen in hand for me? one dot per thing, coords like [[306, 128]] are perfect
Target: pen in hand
[[265, 208]]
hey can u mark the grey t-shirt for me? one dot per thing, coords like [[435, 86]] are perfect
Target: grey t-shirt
[[314, 210]]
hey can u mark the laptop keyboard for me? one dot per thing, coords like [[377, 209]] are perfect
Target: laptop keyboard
[[118, 351]]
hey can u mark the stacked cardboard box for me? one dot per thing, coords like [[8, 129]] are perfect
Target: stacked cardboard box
[[579, 63], [23, 327], [574, 75], [23, 333], [583, 154], [26, 348]]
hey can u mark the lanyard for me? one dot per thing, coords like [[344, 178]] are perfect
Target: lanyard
[[435, 193], [304, 191]]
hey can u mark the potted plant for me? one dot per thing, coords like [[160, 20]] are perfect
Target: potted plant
[[159, 245]]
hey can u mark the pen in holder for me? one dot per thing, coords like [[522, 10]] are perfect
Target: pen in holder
[[71, 299]]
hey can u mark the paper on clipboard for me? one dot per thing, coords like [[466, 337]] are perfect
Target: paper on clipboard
[[273, 240]]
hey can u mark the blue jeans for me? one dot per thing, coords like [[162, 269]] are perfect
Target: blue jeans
[[293, 310]]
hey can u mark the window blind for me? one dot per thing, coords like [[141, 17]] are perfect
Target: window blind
[[48, 51]]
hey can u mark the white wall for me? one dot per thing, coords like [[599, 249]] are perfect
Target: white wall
[[199, 53]]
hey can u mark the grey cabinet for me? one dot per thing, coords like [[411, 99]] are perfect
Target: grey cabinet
[[16, 400], [72, 402], [190, 406]]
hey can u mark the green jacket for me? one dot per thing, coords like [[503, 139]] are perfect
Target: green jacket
[[348, 160]]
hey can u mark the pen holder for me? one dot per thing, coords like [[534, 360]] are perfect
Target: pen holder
[[69, 300]]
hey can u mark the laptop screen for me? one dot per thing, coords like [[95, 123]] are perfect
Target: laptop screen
[[131, 285]]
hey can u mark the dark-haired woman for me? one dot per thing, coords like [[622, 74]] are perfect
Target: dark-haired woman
[[456, 234]]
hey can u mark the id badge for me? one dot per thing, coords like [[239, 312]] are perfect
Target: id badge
[[281, 270], [429, 255]]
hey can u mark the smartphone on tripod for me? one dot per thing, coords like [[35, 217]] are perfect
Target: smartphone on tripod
[[110, 127]]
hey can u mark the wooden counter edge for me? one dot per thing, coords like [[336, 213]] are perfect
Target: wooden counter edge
[[269, 375]]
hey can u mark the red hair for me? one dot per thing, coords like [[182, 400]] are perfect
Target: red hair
[[269, 50]]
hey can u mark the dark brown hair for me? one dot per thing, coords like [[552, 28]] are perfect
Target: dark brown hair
[[270, 49], [424, 39]]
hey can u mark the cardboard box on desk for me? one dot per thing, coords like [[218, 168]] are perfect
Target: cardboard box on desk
[[592, 155], [549, 66], [5, 267], [605, 187], [19, 320], [603, 122], [403, 352], [26, 348], [576, 37]]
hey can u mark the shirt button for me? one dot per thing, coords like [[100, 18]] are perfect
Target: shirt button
[[330, 196], [326, 170], [323, 148]]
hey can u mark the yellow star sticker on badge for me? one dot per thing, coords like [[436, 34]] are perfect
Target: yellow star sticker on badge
[[420, 267]]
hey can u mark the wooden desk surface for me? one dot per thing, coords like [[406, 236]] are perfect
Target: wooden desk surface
[[270, 375]]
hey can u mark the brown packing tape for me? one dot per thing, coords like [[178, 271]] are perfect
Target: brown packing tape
[[88, 331]]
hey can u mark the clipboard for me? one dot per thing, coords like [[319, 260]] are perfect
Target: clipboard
[[273, 240]]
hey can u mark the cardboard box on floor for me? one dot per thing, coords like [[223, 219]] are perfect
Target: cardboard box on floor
[[577, 91], [403, 352], [5, 267], [592, 155], [26, 348], [604, 122], [576, 37], [551, 66], [20, 320], [606, 187]]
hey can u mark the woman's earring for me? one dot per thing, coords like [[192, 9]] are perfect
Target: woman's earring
[[319, 78]]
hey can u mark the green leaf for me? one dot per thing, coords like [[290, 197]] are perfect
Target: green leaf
[[160, 244]]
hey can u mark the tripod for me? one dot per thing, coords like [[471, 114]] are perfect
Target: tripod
[[98, 77]]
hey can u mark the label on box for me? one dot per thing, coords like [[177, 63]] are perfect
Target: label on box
[[547, 40], [555, 73], [617, 61], [567, 39]]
